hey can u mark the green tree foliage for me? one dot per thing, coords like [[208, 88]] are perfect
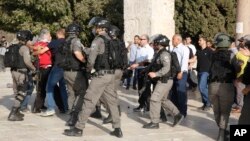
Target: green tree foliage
[[53, 14], [205, 17]]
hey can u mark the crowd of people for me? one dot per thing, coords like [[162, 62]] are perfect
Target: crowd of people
[[78, 80]]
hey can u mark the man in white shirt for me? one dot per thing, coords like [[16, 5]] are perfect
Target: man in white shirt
[[192, 73], [144, 56], [179, 97]]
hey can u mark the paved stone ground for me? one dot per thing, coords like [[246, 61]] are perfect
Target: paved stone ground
[[197, 126]]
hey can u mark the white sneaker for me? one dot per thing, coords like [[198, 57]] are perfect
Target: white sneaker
[[48, 113]]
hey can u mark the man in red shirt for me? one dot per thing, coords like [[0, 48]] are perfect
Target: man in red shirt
[[44, 64]]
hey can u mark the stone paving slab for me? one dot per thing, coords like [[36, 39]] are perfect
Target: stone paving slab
[[197, 126]]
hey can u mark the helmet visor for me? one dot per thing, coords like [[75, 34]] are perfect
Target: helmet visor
[[93, 21]]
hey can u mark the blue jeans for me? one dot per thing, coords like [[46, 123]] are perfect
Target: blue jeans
[[56, 76], [203, 87], [179, 96]]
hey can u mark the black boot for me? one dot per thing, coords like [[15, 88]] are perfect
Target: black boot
[[117, 132], [97, 114], [73, 132], [221, 136], [177, 119], [108, 119], [151, 125], [19, 114], [163, 116], [13, 115], [73, 119]]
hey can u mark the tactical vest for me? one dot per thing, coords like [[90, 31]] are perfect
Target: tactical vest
[[103, 61], [222, 70], [13, 59], [156, 65], [66, 58]]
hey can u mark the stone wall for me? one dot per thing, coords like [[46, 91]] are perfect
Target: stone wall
[[148, 17]]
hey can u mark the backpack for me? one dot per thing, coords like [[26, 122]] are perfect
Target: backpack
[[117, 53], [12, 57], [175, 65], [221, 68]]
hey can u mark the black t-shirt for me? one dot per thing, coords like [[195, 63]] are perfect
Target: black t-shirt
[[191, 54], [54, 45], [204, 60]]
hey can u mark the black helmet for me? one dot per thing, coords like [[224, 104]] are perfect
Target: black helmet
[[99, 22], [222, 40], [24, 35], [114, 31], [73, 28], [161, 40]]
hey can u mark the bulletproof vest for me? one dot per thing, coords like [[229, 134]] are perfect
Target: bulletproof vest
[[221, 68], [104, 61], [66, 58], [12, 58], [156, 65]]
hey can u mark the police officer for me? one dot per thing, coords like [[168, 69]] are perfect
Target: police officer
[[159, 70], [221, 88], [114, 33], [74, 74], [19, 74], [103, 84]]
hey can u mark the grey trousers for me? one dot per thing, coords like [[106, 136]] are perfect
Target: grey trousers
[[100, 86], [245, 113], [76, 84], [20, 86], [240, 95], [159, 98], [222, 97], [117, 79]]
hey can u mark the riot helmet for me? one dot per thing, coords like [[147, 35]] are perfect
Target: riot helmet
[[99, 22], [114, 31], [73, 28], [222, 40], [24, 35], [161, 40]]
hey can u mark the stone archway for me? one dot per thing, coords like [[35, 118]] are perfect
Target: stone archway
[[148, 17]]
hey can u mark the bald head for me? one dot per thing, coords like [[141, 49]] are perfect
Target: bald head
[[176, 40]]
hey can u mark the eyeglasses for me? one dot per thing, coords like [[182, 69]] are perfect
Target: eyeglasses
[[143, 39]]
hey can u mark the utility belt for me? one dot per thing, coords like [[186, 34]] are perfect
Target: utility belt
[[21, 70], [165, 79], [102, 72]]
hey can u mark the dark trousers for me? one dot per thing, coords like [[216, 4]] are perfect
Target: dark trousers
[[135, 79], [179, 94], [144, 89], [41, 90]]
